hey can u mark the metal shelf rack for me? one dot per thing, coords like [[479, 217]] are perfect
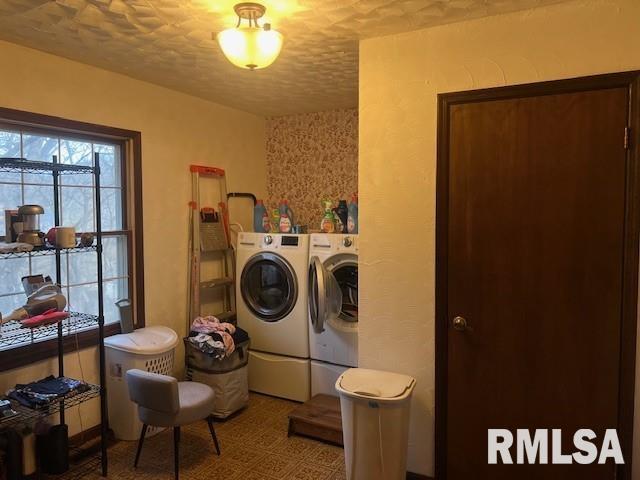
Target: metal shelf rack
[[13, 334], [43, 251]]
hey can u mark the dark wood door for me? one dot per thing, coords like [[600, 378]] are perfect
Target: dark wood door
[[535, 264]]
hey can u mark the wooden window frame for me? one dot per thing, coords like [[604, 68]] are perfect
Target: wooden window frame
[[131, 151]]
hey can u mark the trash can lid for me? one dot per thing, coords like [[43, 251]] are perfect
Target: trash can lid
[[144, 341], [361, 382]]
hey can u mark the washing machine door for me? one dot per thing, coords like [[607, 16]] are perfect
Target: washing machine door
[[268, 286], [344, 268], [325, 296]]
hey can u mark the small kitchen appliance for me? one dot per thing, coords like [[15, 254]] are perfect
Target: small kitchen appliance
[[31, 225]]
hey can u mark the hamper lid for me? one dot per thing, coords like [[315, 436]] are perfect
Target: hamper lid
[[362, 382], [144, 341]]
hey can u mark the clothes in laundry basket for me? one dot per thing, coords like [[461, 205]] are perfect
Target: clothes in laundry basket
[[215, 338], [206, 344]]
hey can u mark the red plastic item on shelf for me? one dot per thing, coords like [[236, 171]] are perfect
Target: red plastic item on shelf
[[50, 316]]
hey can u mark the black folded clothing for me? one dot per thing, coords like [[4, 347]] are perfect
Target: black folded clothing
[[240, 336], [49, 389]]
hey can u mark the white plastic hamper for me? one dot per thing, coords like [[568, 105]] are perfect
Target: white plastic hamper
[[375, 409], [151, 349]]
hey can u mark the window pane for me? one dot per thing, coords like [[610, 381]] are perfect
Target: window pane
[[44, 265], [83, 268], [111, 206], [43, 196], [11, 271], [84, 299], [114, 290], [9, 304], [77, 208], [10, 199], [110, 172], [10, 147], [76, 153], [40, 148], [114, 258]]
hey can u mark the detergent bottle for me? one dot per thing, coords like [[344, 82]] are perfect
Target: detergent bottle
[[328, 222], [341, 214], [275, 220], [261, 223], [352, 220], [286, 217]]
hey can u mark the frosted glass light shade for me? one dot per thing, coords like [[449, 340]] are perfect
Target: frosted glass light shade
[[250, 47]]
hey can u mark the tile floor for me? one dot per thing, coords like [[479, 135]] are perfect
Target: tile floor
[[254, 446]]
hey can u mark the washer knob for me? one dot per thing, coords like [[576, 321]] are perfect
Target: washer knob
[[268, 239], [347, 242]]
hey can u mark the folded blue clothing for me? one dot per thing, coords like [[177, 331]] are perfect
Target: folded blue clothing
[[47, 390]]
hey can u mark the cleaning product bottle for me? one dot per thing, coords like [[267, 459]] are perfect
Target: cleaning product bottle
[[261, 218], [275, 220], [352, 220], [328, 222], [341, 213], [286, 217]]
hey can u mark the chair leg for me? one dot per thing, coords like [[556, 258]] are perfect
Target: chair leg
[[176, 450], [213, 434], [140, 442]]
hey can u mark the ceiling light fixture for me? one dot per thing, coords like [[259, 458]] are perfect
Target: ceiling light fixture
[[251, 46]]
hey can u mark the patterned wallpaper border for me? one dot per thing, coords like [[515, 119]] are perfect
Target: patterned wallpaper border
[[311, 157]]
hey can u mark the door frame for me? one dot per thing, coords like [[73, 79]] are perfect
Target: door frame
[[629, 80]]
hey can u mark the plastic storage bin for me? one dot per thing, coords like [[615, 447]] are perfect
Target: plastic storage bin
[[228, 377], [151, 349], [375, 423]]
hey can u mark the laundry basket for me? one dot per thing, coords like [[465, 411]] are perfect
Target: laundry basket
[[151, 349], [228, 378]]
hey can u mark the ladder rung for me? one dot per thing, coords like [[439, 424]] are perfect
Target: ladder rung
[[226, 316], [217, 282]]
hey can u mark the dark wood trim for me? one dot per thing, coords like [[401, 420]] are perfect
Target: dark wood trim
[[417, 476], [630, 80], [36, 352], [138, 234], [85, 436], [553, 87], [131, 142], [442, 280], [49, 122]]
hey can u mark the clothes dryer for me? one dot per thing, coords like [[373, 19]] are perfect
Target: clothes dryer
[[272, 293]]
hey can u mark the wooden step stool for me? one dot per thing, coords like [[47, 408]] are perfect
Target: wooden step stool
[[318, 418]]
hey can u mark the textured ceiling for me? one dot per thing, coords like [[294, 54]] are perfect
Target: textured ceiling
[[169, 42]]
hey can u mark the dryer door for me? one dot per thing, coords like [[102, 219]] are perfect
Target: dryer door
[[269, 287], [325, 296]]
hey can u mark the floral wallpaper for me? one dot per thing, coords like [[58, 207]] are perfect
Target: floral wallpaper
[[311, 157]]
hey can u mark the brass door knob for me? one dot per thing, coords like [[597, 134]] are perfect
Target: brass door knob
[[460, 323]]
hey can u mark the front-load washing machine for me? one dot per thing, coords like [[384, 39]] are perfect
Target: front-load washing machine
[[272, 293], [333, 308]]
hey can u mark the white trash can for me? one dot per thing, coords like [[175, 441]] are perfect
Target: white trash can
[[151, 349], [375, 423]]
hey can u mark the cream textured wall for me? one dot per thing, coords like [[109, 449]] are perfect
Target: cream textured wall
[[311, 157], [400, 77], [177, 130]]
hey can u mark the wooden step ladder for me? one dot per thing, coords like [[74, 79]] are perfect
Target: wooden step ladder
[[210, 245]]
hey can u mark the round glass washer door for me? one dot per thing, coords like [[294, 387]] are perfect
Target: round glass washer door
[[344, 269], [268, 286]]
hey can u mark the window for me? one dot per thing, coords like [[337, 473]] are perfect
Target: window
[[77, 209]]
